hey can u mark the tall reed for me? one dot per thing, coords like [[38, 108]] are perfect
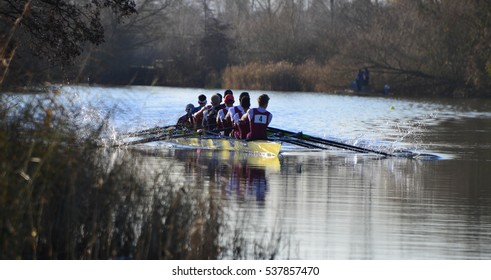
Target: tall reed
[[284, 76], [7, 51]]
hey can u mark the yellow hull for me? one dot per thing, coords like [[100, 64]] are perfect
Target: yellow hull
[[230, 144]]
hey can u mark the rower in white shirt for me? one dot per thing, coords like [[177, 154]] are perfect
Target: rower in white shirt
[[236, 109], [222, 122], [240, 128]]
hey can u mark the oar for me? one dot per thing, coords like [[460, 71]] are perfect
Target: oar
[[172, 136], [290, 139], [318, 140], [300, 143], [155, 138], [148, 131]]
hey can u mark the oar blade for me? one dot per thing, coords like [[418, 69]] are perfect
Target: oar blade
[[154, 130], [317, 140]]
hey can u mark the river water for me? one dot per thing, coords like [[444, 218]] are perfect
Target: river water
[[335, 204]]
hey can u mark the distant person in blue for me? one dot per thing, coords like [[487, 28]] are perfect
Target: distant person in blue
[[386, 89], [359, 80], [366, 77]]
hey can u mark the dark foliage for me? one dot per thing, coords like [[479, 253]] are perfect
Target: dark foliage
[[215, 45], [412, 45], [58, 30]]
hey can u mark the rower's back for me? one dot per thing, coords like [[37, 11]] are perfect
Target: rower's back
[[259, 119]]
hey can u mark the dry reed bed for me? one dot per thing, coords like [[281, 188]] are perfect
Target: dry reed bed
[[284, 76]]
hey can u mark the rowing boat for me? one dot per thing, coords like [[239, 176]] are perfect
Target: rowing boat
[[213, 140], [230, 144]]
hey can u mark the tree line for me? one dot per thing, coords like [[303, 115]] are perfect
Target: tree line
[[429, 47]]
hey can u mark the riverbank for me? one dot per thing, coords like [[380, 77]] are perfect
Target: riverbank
[[312, 77], [307, 77], [392, 93]]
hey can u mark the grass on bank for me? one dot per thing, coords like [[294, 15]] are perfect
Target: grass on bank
[[336, 76], [62, 198], [285, 76]]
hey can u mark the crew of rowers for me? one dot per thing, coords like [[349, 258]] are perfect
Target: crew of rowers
[[241, 121]]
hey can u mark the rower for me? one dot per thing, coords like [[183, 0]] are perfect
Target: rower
[[201, 103], [187, 120], [198, 111], [210, 113], [235, 113], [259, 119], [221, 99], [222, 122], [227, 92], [241, 127], [232, 111]]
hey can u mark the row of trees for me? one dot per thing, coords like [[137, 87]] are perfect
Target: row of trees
[[414, 45]]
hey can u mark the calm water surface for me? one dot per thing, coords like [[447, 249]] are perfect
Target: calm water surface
[[336, 204]]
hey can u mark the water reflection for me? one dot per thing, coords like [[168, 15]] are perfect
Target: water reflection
[[234, 175], [342, 205], [256, 179]]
